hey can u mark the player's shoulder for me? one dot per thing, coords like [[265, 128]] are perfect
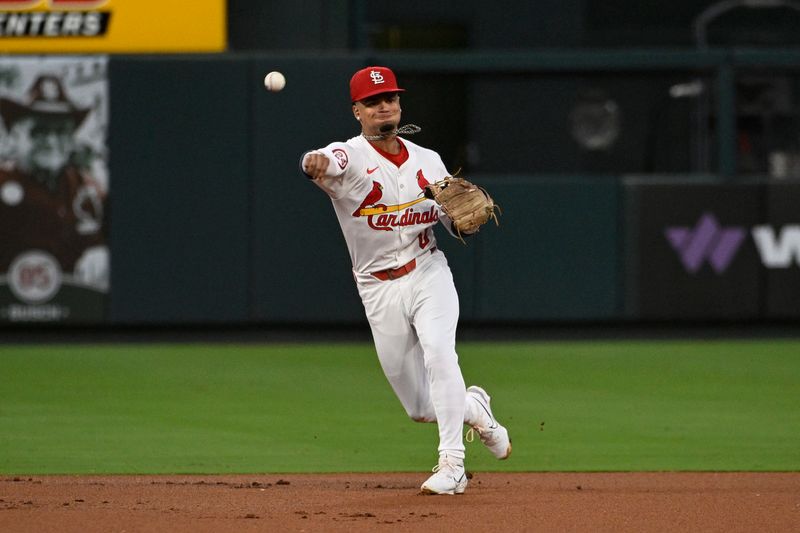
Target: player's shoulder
[[420, 150], [358, 142], [353, 143]]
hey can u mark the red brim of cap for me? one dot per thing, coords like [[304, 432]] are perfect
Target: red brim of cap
[[377, 91]]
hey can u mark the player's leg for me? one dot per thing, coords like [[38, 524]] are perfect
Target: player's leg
[[399, 351], [435, 314], [435, 318]]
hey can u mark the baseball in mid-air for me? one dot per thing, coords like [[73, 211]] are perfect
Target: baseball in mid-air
[[274, 81]]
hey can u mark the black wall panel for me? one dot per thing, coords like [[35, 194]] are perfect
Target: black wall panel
[[690, 255], [782, 228]]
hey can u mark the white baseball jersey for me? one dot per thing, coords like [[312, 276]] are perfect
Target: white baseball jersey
[[385, 219]]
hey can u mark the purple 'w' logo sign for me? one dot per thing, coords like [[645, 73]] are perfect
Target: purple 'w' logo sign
[[707, 241]]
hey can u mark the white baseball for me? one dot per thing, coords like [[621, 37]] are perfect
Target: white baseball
[[274, 81]]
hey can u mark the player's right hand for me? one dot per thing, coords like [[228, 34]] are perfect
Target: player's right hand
[[315, 165]]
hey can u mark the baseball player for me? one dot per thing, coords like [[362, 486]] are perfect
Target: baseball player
[[375, 181]]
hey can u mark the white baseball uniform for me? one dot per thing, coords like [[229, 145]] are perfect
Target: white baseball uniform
[[404, 282]]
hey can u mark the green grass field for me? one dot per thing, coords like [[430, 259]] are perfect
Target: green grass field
[[222, 408]]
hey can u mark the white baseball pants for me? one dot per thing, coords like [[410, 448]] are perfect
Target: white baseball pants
[[413, 321]]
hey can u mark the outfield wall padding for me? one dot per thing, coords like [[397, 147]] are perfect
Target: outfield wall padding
[[213, 222]]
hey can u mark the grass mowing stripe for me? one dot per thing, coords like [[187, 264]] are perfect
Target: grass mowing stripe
[[570, 406]]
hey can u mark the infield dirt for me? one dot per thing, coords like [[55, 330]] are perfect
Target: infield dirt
[[598, 502]]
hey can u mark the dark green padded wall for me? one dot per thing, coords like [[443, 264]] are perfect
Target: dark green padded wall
[[179, 189], [555, 254]]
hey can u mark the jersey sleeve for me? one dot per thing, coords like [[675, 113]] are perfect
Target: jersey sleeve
[[341, 176]]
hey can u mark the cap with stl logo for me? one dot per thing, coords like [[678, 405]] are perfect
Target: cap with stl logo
[[371, 81]]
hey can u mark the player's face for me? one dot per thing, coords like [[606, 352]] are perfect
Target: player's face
[[378, 110]]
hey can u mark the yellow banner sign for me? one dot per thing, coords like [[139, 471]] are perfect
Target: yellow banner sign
[[112, 26]]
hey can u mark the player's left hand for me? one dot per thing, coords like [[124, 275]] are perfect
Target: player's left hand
[[467, 205]]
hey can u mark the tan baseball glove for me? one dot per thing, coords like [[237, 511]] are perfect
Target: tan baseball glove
[[468, 206]]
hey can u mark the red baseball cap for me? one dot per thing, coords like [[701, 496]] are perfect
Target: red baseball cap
[[371, 81]]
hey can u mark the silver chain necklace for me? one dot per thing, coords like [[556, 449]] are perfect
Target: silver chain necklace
[[408, 129]]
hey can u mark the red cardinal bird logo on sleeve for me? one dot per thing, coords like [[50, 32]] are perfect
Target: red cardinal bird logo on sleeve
[[421, 181], [371, 199]]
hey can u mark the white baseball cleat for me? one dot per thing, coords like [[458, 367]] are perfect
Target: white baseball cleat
[[492, 434], [449, 477]]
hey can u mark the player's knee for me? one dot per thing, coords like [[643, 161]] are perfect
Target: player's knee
[[421, 415], [441, 362]]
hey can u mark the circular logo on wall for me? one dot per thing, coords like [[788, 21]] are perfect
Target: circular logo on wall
[[595, 121], [34, 277]]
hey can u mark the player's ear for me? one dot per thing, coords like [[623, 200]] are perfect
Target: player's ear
[[356, 113]]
